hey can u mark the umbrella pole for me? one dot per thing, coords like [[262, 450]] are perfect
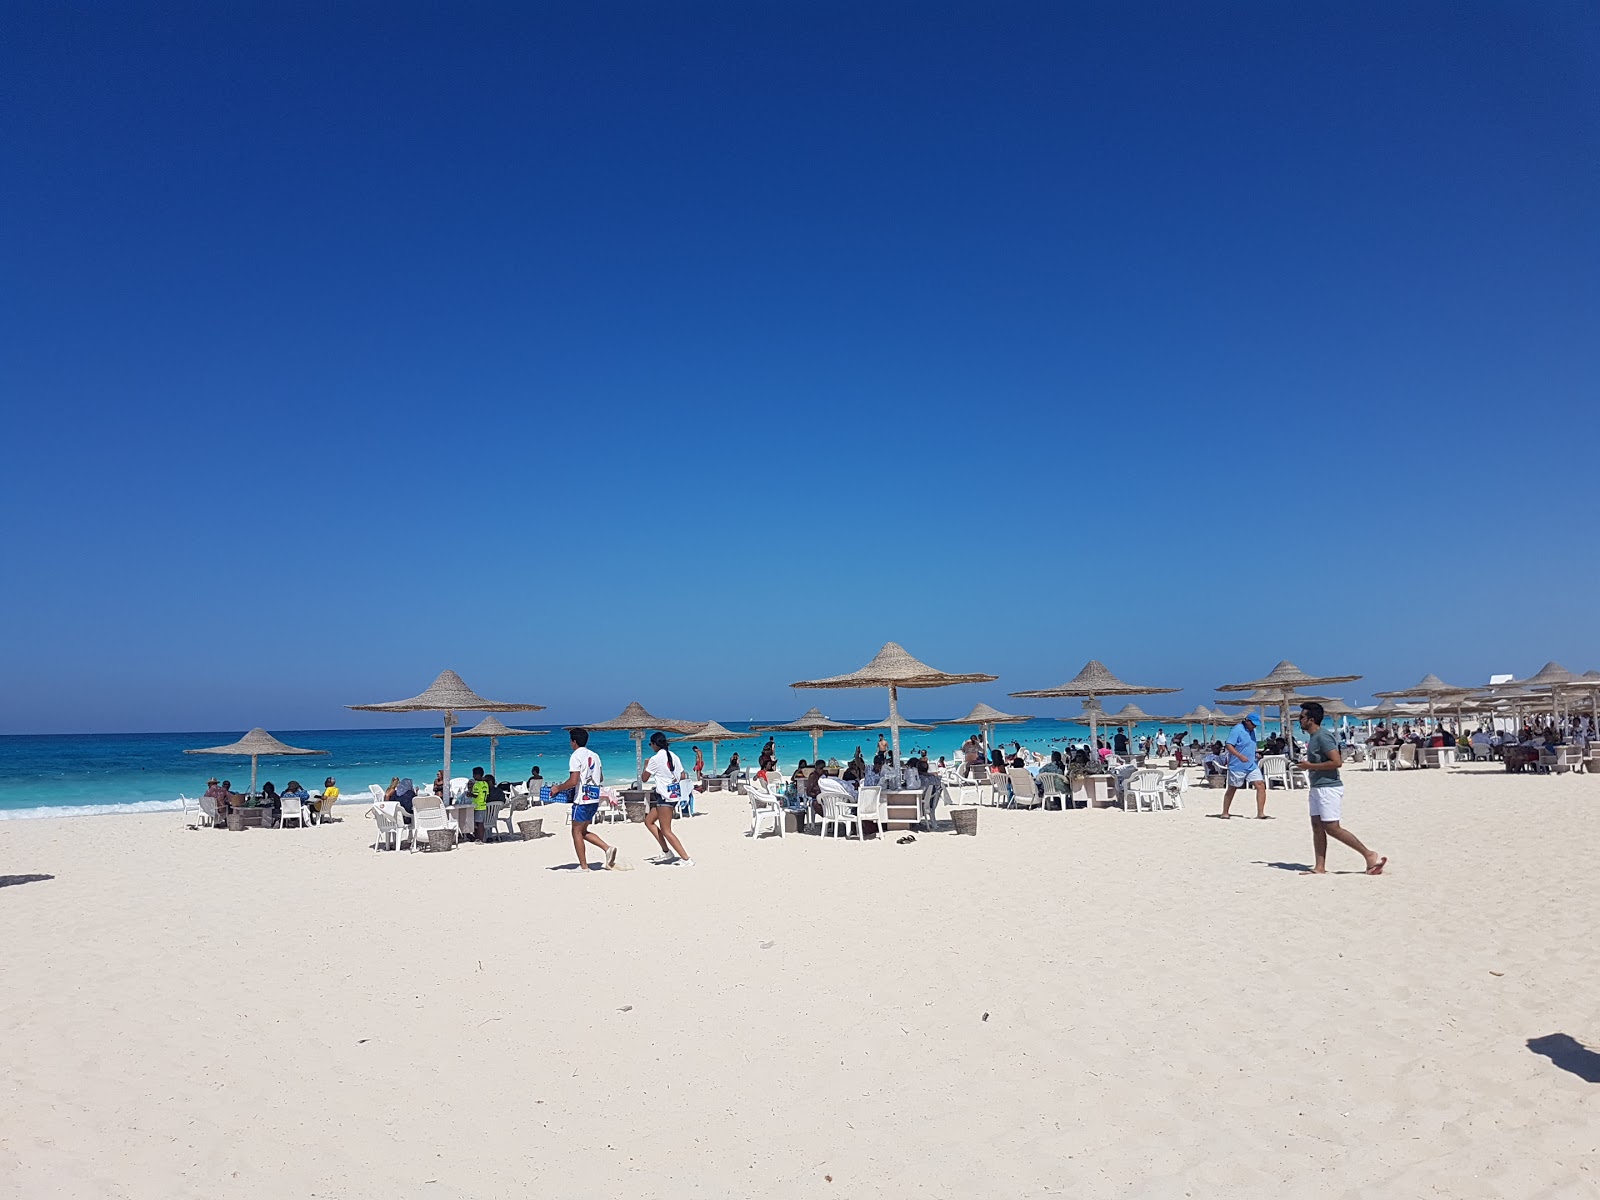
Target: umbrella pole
[[894, 721], [449, 722], [814, 751], [493, 742], [713, 757], [252, 774], [1094, 737], [638, 753]]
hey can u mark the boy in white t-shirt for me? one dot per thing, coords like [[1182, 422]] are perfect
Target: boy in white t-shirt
[[584, 785]]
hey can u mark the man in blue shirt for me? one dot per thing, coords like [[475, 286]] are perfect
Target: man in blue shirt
[[1243, 769]]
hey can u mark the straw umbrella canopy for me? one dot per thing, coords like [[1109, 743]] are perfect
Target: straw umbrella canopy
[[894, 669], [1282, 682], [448, 694], [1552, 678], [986, 718], [714, 733], [811, 721], [494, 729], [258, 743], [1430, 688], [1094, 681], [634, 721], [1589, 682]]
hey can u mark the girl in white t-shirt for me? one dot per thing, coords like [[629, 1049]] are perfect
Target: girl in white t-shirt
[[665, 772]]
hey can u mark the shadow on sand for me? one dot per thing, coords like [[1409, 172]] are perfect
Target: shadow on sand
[[1569, 1054], [13, 880]]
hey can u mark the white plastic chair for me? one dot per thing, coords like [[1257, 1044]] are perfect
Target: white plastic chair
[[838, 810], [208, 811], [291, 810], [1055, 787], [869, 807], [427, 814], [391, 826], [1405, 758], [1174, 786], [765, 809], [612, 806], [1275, 770], [1024, 788], [458, 787], [1144, 790], [376, 792]]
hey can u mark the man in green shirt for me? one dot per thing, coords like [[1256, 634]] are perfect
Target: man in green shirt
[[1322, 762]]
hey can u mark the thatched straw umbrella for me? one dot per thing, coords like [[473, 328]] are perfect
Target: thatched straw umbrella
[[635, 721], [1091, 683], [986, 718], [714, 733], [494, 729], [894, 669], [258, 743], [1431, 688], [448, 694], [812, 722], [1551, 678], [1282, 682]]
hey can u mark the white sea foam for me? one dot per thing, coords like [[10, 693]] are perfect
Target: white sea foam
[[90, 810]]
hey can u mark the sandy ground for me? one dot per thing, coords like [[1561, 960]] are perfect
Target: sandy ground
[[1085, 1004]]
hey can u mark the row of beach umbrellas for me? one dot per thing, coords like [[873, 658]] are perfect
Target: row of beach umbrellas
[[895, 669]]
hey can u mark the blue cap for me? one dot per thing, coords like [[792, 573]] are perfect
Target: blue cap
[[1251, 717]]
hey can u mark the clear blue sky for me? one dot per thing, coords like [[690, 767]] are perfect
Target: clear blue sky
[[1019, 334]]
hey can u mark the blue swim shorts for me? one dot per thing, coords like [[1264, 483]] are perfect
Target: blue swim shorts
[[582, 814]]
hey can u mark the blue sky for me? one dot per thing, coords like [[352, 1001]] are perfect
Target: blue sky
[[675, 352]]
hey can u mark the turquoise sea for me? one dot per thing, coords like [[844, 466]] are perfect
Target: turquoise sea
[[50, 775]]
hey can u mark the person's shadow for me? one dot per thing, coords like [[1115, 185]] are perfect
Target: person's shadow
[[1569, 1054], [13, 880]]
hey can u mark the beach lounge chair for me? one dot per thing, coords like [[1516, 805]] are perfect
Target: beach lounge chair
[[427, 814], [1024, 788], [1145, 789], [765, 810], [1405, 758]]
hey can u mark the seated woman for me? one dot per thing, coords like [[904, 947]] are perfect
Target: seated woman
[[330, 797], [271, 799], [1056, 766], [731, 771]]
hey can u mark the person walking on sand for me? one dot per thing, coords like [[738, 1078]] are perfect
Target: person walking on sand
[[1243, 769], [1322, 763], [583, 783], [699, 764], [665, 773]]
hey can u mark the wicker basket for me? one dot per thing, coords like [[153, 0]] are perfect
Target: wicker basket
[[441, 839], [236, 820], [531, 831], [965, 820], [636, 811]]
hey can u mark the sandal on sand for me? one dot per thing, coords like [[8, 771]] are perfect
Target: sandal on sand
[[903, 841]]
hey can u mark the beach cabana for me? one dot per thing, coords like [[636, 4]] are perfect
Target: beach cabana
[[812, 722], [714, 733], [635, 721], [448, 694], [258, 743], [1282, 683], [1091, 683], [494, 729], [894, 669], [986, 718]]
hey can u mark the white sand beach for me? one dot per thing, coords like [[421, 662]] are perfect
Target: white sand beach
[[1084, 1004]]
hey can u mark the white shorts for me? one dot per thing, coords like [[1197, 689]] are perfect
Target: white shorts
[[1239, 777], [1327, 802]]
